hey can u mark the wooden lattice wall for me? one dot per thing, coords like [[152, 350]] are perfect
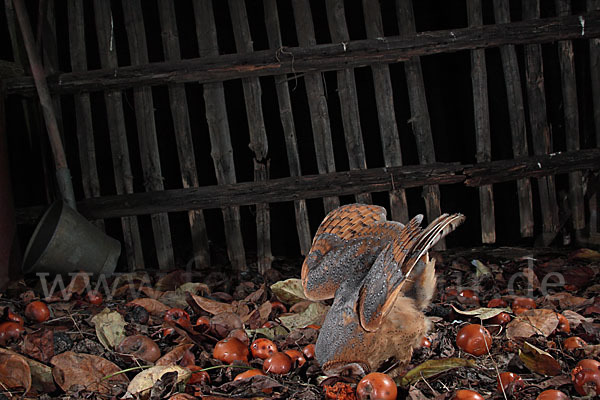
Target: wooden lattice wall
[[121, 120]]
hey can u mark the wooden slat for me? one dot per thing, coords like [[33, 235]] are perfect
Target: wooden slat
[[540, 130], [346, 88], [183, 132], [569, 90], [384, 97], [83, 108], [318, 58], [30, 113], [339, 183], [419, 111], [594, 201], [118, 136], [218, 127], [483, 143], [287, 122], [516, 114], [317, 102], [258, 135]]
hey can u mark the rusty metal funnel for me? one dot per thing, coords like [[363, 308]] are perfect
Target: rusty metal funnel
[[64, 241]]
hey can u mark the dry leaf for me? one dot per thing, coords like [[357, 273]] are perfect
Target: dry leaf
[[567, 300], [15, 372], [144, 381], [41, 374], [39, 345], [172, 280], [537, 360], [152, 293], [585, 254], [532, 322], [314, 314], [289, 291], [154, 307], [85, 371], [173, 356], [575, 319], [211, 306], [483, 312], [433, 367], [110, 328]]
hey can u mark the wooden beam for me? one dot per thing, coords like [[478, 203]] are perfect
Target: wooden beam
[[384, 98], [183, 132], [287, 122], [319, 58], [516, 115], [337, 183], [483, 142]]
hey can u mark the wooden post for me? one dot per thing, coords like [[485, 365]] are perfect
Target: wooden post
[[183, 132], [540, 131], [10, 257], [317, 103], [83, 109], [483, 142], [347, 94], [218, 127], [419, 112], [287, 122], [118, 136], [384, 97], [594, 200], [258, 135], [63, 175], [569, 91], [144, 113], [516, 114]]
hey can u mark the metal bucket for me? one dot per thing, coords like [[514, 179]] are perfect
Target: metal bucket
[[64, 241]]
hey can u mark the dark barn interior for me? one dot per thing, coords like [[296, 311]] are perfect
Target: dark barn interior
[[225, 131], [150, 137]]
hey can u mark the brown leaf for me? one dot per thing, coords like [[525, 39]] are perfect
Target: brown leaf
[[575, 319], [85, 371], [568, 301], [41, 374], [256, 296], [39, 345], [173, 356], [532, 322], [585, 254], [433, 367], [152, 293], [172, 280], [537, 360], [211, 306], [15, 372], [532, 279], [154, 307]]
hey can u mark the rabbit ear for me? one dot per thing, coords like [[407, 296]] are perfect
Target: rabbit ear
[[385, 280], [345, 244]]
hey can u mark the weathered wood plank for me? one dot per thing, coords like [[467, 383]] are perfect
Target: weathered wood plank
[[339, 183], [346, 88], [516, 115], [118, 137], [146, 128], [258, 135], [287, 122], [483, 143], [317, 102], [218, 127], [594, 201], [540, 130], [83, 108], [420, 120], [318, 58], [183, 131], [569, 91], [384, 97]]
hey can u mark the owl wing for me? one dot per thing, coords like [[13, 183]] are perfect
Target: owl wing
[[345, 245], [384, 281]]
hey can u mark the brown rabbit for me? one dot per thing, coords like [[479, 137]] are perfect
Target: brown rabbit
[[380, 277]]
